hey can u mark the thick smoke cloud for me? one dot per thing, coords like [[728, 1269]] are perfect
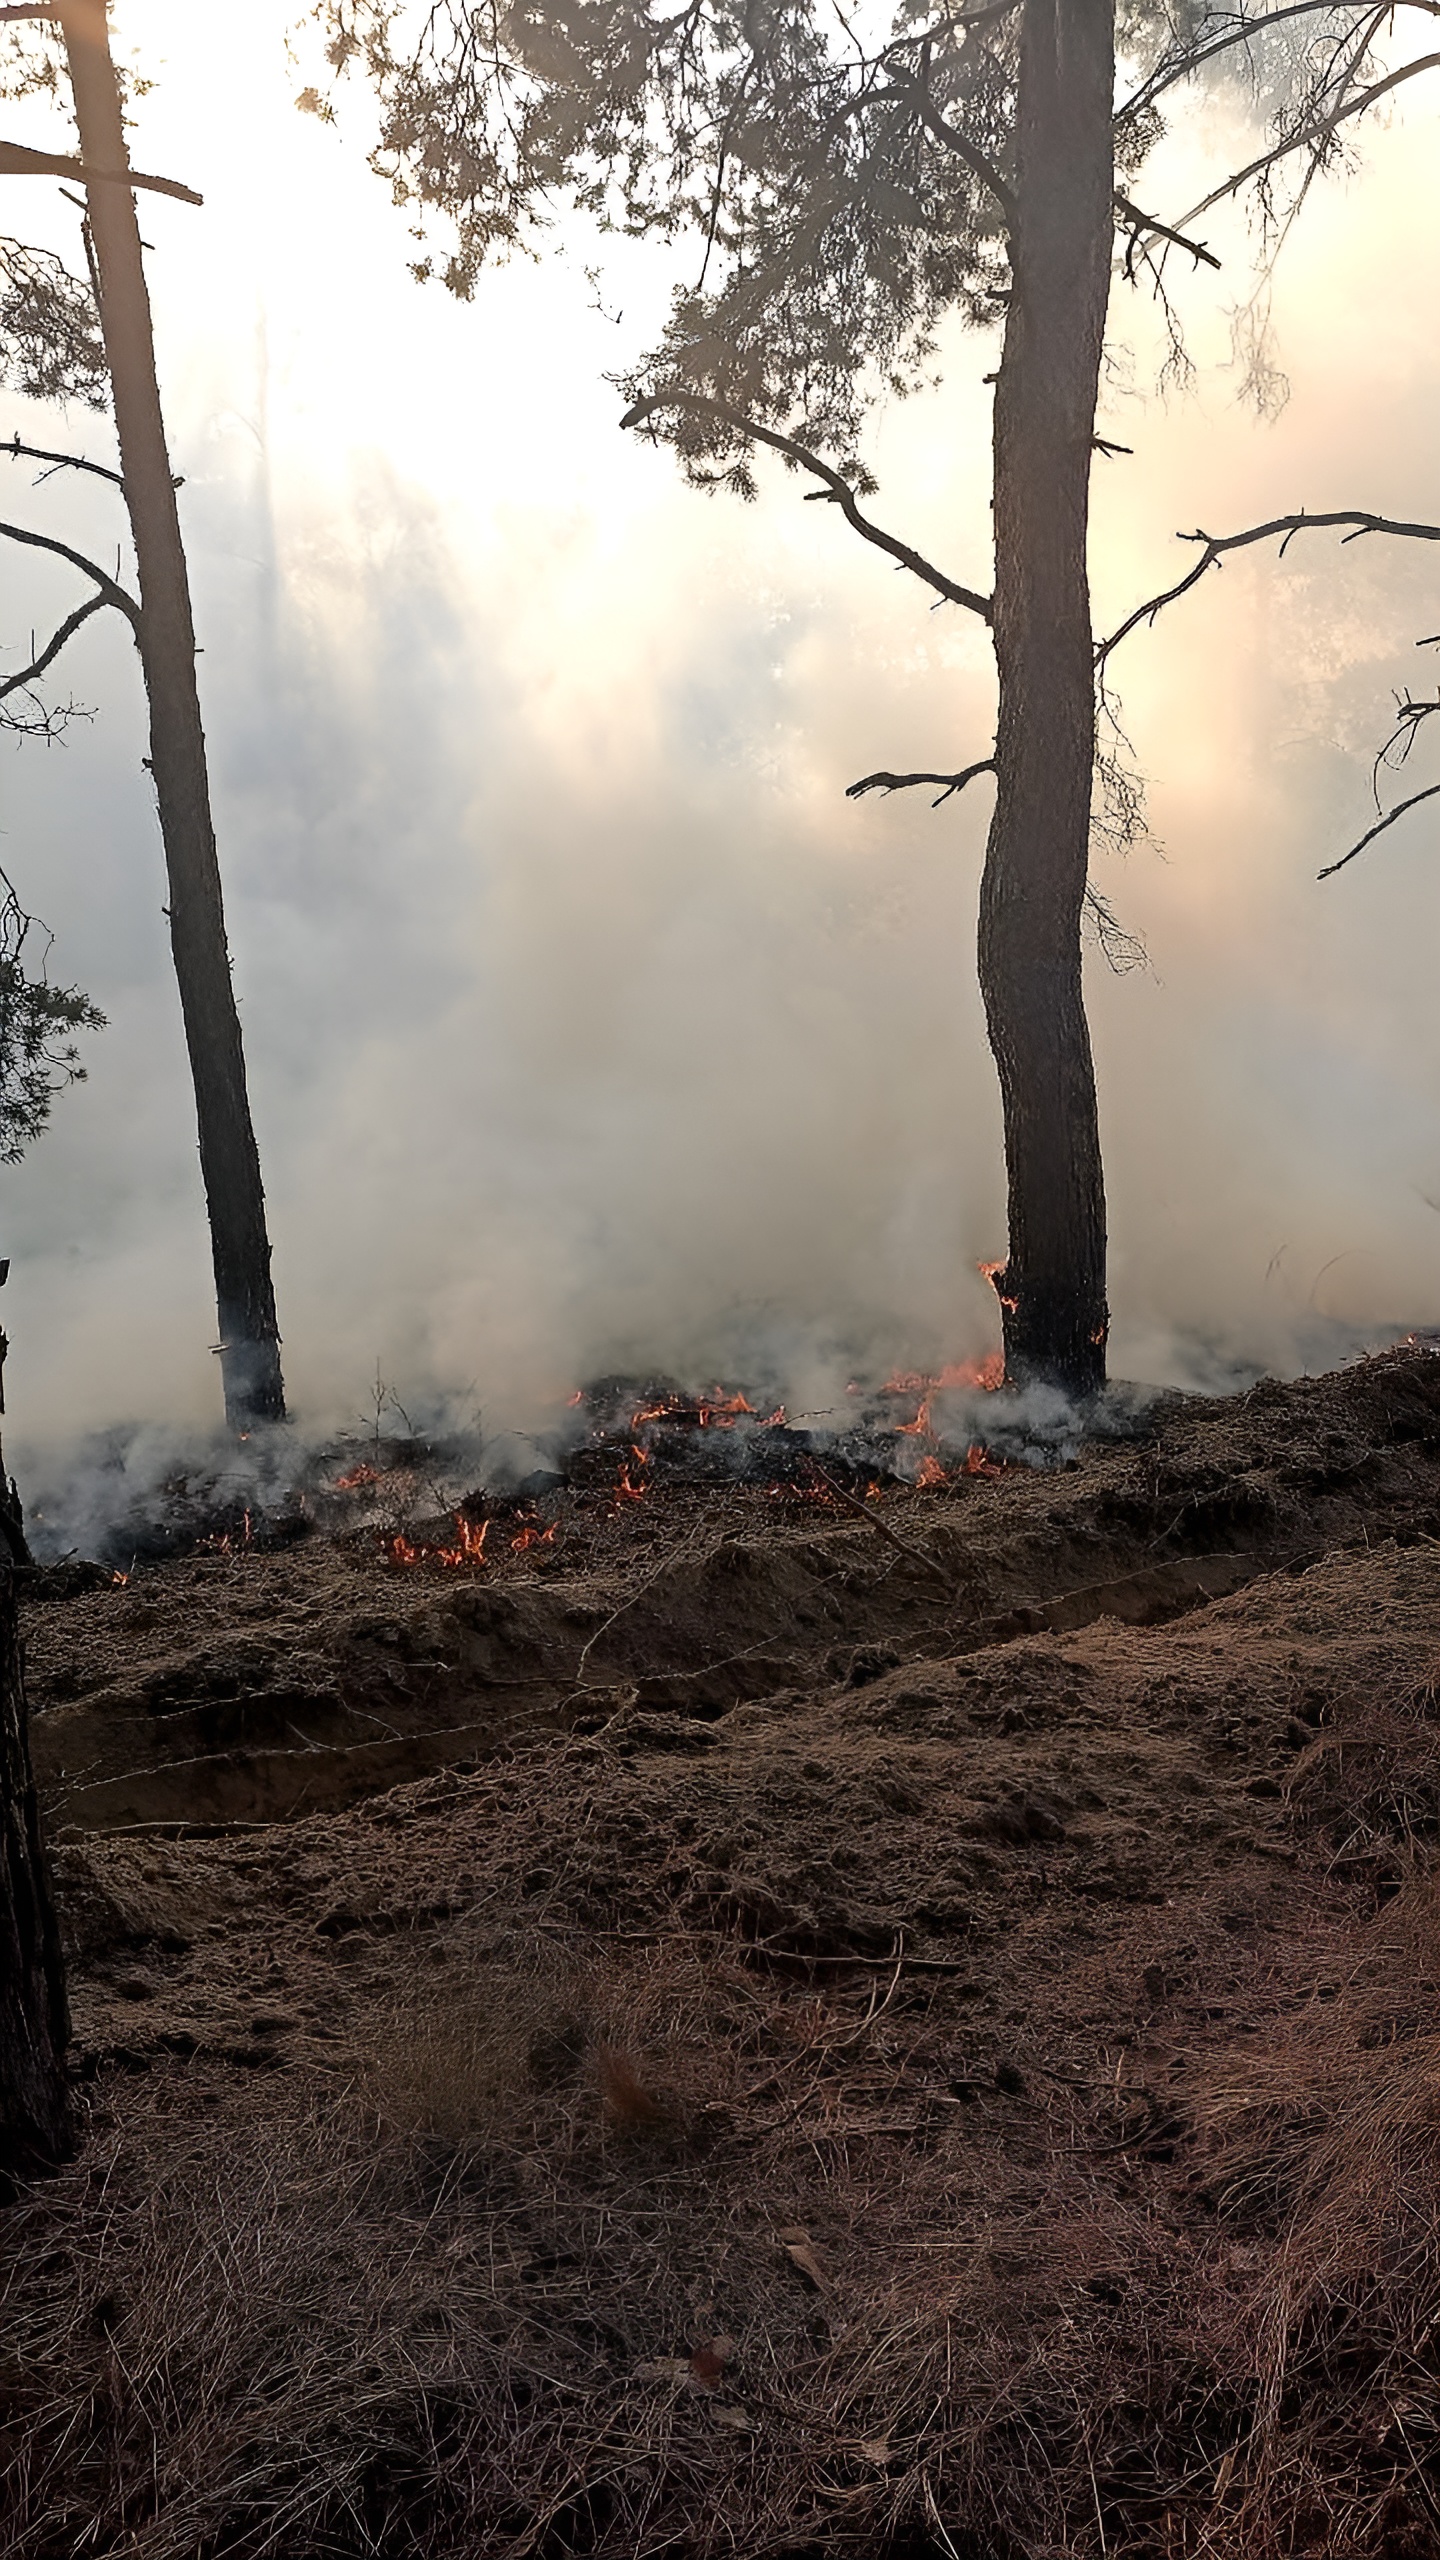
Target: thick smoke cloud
[[589, 1025]]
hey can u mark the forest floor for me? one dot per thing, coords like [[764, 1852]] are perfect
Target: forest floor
[[753, 2028]]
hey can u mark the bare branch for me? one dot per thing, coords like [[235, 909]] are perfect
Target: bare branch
[[1144, 225], [837, 491], [888, 782], [18, 162], [1218, 544], [53, 647], [1318, 131], [63, 461], [1387, 821], [110, 593]]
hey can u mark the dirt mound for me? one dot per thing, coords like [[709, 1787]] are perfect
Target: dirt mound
[[905, 2036]]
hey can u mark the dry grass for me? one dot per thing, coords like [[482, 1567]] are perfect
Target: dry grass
[[1323, 2153], [631, 2246], [568, 2264]]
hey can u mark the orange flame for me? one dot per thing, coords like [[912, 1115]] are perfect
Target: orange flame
[[931, 1472], [363, 1474], [712, 1412], [991, 1271], [533, 1536], [987, 1373], [469, 1546], [978, 1461]]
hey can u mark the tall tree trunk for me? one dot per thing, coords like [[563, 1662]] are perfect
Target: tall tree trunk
[[1052, 1290], [229, 1159], [35, 2120]]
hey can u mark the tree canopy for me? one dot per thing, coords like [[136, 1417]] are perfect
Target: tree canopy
[[841, 191]]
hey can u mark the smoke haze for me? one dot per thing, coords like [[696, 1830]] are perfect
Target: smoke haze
[[588, 1025]]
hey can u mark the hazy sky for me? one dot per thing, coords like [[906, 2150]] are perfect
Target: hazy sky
[[587, 1021]]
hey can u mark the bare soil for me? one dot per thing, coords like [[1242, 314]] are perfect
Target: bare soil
[[764, 2030]]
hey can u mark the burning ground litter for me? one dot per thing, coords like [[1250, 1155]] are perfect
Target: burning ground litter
[[727, 2032]]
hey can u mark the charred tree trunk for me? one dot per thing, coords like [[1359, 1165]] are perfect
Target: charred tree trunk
[[35, 2118], [1052, 1290], [229, 1159]]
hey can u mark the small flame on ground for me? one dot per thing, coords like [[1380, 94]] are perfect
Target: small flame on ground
[[533, 1536], [986, 1374], [469, 1545], [361, 1475], [711, 1411]]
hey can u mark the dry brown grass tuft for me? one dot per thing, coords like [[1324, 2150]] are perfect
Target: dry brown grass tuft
[[1322, 2150], [465, 2061]]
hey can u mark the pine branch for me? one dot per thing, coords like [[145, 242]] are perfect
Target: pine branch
[[888, 782], [1369, 837], [53, 647], [1167, 74], [1145, 226], [1218, 544], [19, 452], [958, 142], [1319, 130], [18, 162], [836, 491], [110, 593]]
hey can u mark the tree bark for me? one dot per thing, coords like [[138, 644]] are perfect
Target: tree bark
[[229, 1158], [35, 2119], [1052, 1290]]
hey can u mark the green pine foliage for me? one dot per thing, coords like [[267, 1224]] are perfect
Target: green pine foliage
[[38, 1055]]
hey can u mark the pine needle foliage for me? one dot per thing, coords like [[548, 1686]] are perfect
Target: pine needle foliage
[[840, 194], [50, 343], [38, 1054], [842, 189]]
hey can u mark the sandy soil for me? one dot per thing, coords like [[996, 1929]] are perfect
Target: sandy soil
[[774, 2031]]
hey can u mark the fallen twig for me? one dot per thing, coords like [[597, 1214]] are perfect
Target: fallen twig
[[854, 1503]]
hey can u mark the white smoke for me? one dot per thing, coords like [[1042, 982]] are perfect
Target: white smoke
[[589, 1026]]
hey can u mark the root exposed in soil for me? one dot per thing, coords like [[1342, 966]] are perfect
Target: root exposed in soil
[[778, 2043]]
